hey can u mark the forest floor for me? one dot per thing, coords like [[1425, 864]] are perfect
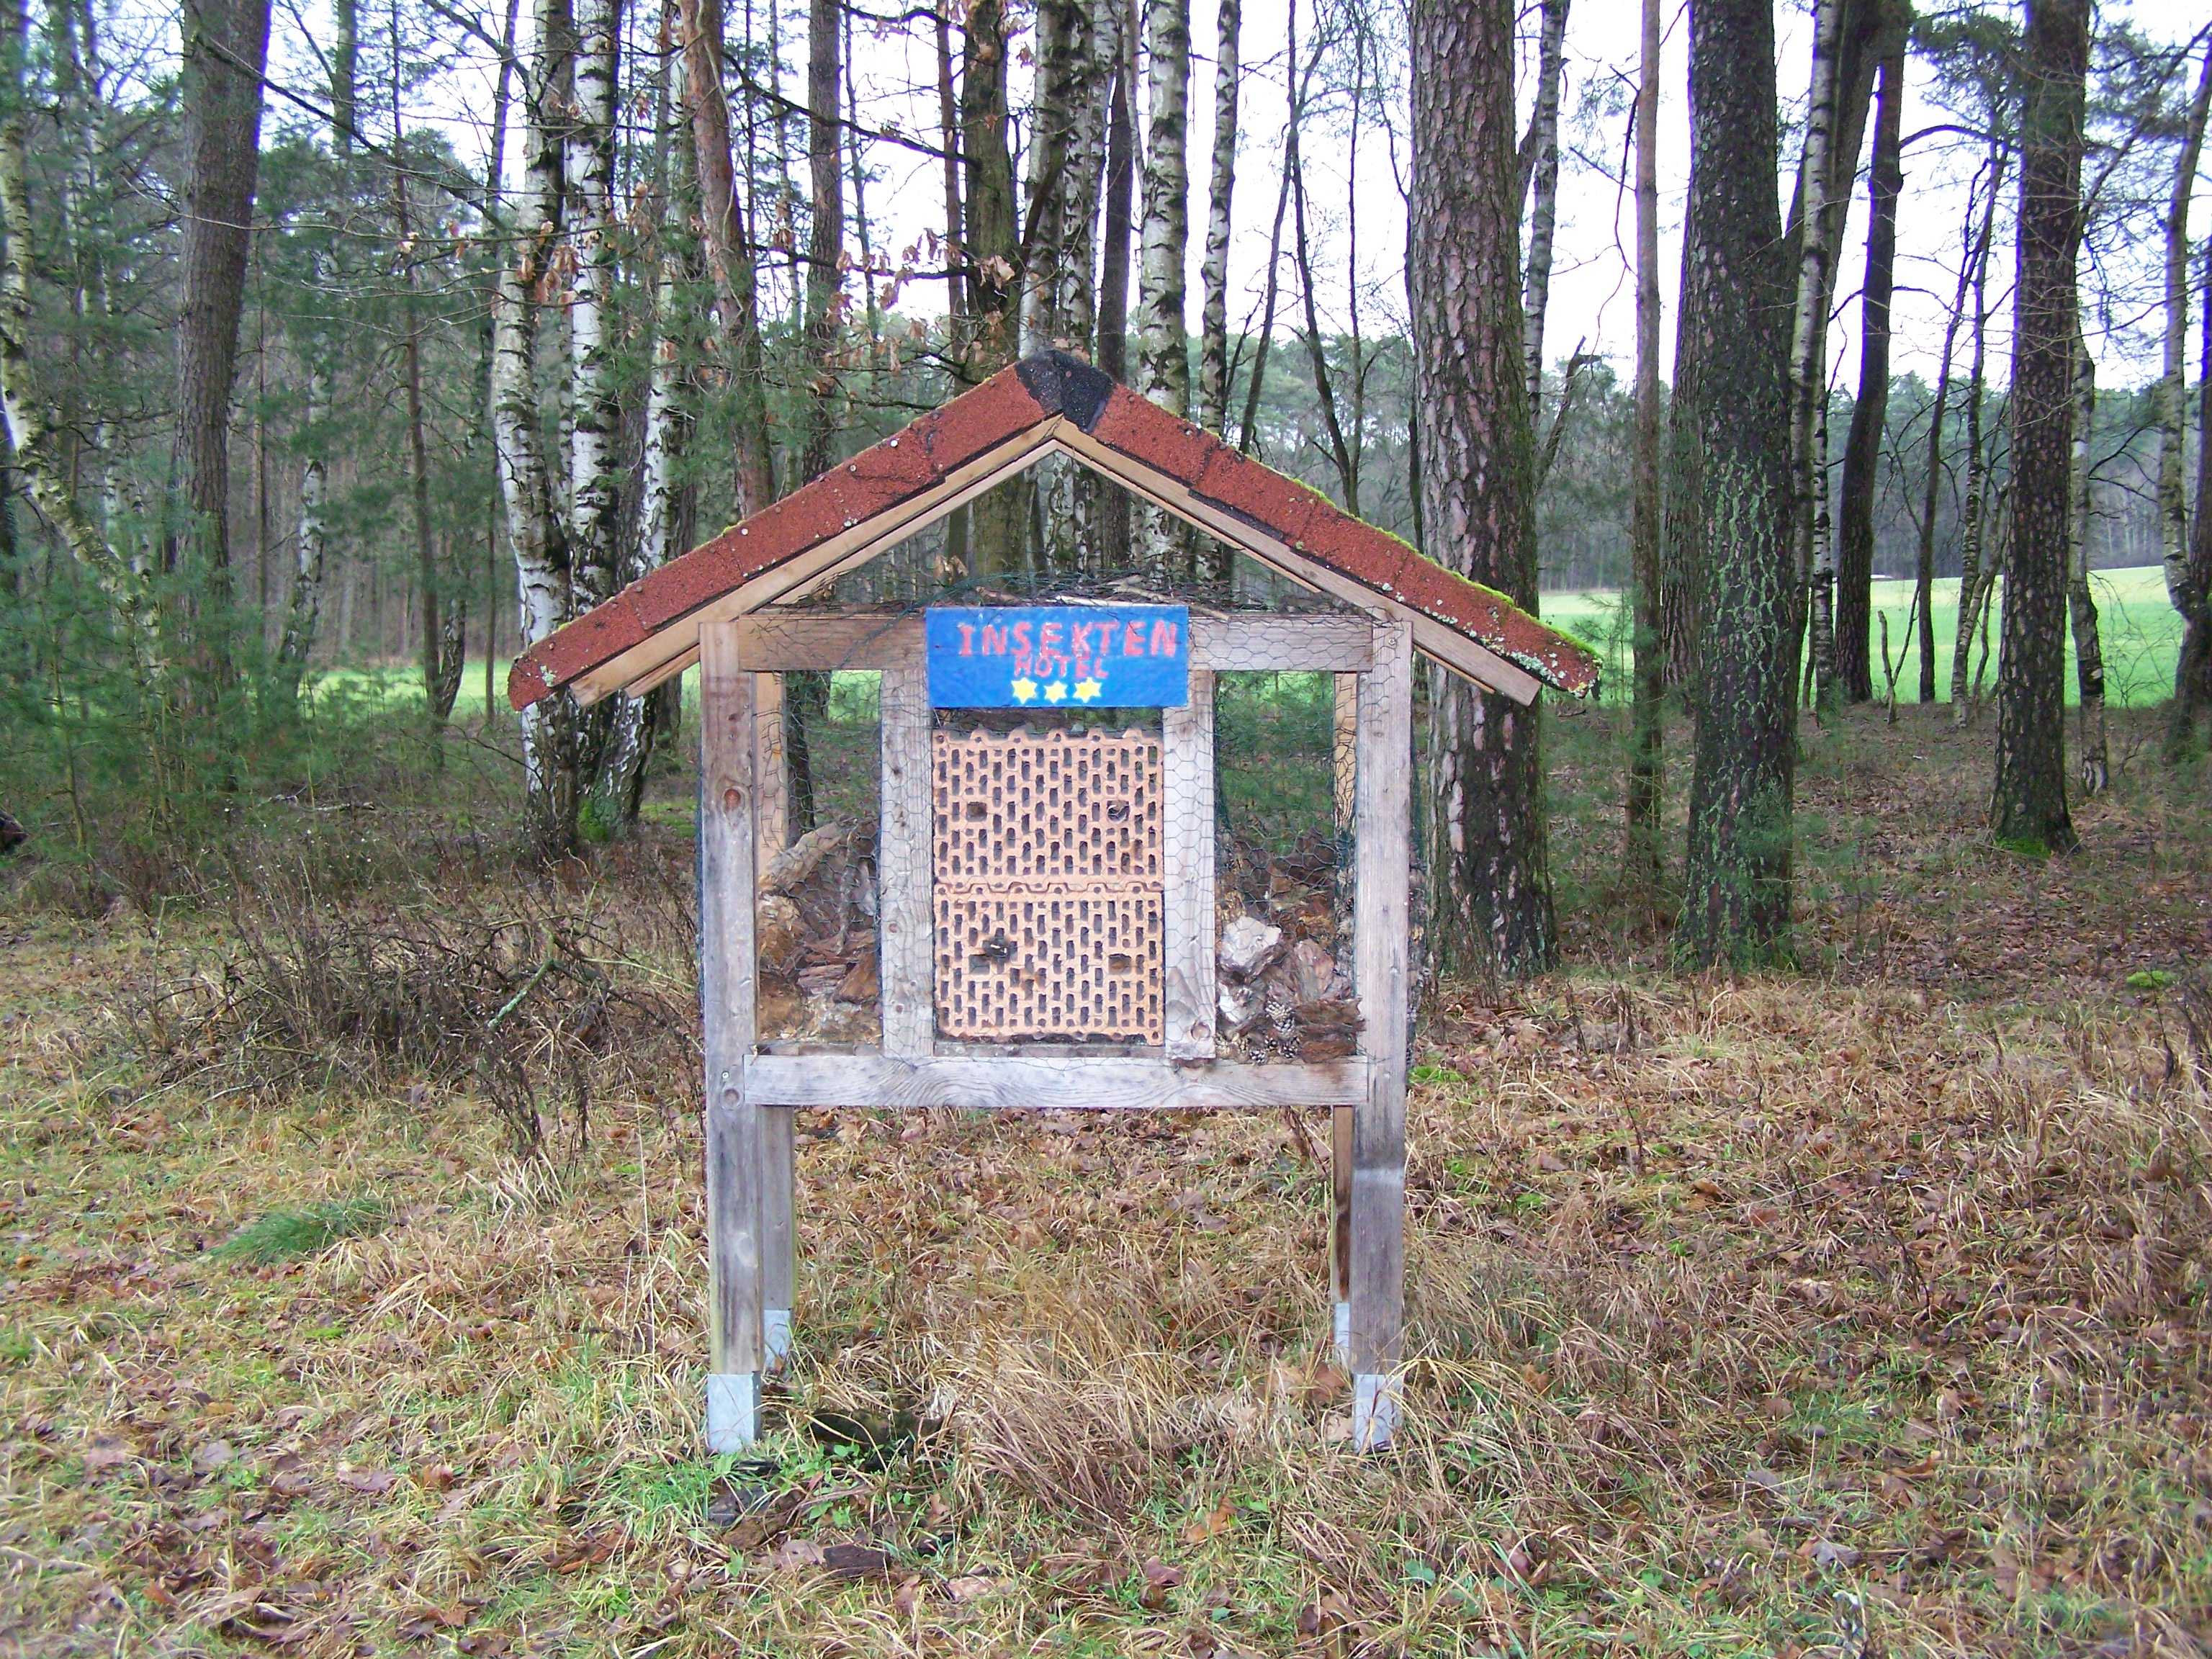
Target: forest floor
[[1857, 1310]]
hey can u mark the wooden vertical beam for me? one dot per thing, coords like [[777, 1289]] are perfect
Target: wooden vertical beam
[[771, 834], [1344, 793], [906, 959], [1341, 1121], [1384, 861], [734, 1241], [1187, 850]]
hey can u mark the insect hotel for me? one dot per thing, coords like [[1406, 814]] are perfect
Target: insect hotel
[[1048, 930]]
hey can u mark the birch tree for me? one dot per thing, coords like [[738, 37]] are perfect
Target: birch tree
[[2173, 378], [1647, 760], [1973, 585], [1491, 892], [2094, 759], [535, 534], [2028, 806], [595, 416], [1221, 181], [1541, 176], [1809, 338], [2192, 673]]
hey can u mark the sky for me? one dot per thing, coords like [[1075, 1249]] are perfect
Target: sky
[[1355, 190]]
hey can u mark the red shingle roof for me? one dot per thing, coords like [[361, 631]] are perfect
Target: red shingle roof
[[1036, 396]]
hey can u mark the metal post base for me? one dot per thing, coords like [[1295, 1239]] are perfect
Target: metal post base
[[1374, 1411], [732, 1411]]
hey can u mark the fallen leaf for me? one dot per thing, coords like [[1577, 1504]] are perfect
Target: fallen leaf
[[213, 1455], [1160, 1579], [105, 1453], [971, 1587], [1213, 1524], [855, 1560], [795, 1555], [374, 1482], [435, 1477]]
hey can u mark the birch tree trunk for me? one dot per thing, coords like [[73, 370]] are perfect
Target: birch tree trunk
[[1973, 586], [1646, 756], [36, 442], [535, 533], [2173, 380], [1114, 533], [1213, 271], [1163, 348], [590, 163], [1870, 411], [2082, 603], [729, 257], [619, 787], [1924, 562], [1543, 202], [2027, 806], [1809, 334], [1738, 284], [1491, 894], [2192, 673]]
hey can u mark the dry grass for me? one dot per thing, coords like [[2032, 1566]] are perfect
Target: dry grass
[[1749, 1316]]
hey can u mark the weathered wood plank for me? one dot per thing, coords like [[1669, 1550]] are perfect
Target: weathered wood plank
[[1189, 986], [1025, 1085], [906, 959], [1381, 929], [1339, 1227], [771, 782], [726, 993], [1325, 641]]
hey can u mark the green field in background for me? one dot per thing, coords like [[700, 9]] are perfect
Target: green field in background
[[2140, 628]]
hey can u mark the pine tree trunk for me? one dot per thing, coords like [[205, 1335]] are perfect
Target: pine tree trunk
[[2082, 603], [1544, 200], [2028, 807], [998, 520], [1213, 270], [1491, 894], [1870, 411], [535, 533], [1647, 770], [825, 242], [729, 257], [1735, 308], [226, 43], [1973, 589], [2173, 380]]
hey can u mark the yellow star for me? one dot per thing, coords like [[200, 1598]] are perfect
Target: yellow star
[[1056, 692], [1024, 689], [1085, 690]]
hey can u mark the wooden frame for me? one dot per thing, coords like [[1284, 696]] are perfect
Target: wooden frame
[[751, 1090]]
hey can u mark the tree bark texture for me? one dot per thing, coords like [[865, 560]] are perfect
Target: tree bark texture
[[226, 43], [1870, 411], [2028, 806], [1808, 357], [1213, 271], [589, 168], [1973, 586], [2173, 380], [1544, 194], [1491, 894], [1737, 310], [996, 521], [1646, 758], [729, 257], [1163, 348], [825, 242], [2092, 755], [2192, 674]]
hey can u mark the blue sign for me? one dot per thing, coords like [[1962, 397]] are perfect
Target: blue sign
[[1059, 656]]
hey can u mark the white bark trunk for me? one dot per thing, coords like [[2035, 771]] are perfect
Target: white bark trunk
[[2173, 380], [590, 167], [1808, 335], [1214, 272], [2094, 754], [1974, 585], [1163, 347], [1544, 204]]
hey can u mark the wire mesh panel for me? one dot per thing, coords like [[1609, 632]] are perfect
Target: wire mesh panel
[[1048, 884]]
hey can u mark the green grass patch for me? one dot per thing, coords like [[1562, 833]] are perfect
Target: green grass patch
[[283, 1234]]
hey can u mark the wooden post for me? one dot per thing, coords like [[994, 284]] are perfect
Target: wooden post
[[734, 1162], [1189, 984], [1384, 865], [906, 959], [779, 1233], [1343, 777]]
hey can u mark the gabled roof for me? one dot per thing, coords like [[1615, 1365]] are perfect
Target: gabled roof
[[1048, 404]]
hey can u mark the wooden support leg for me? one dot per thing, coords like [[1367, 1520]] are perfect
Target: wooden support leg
[[735, 1163], [779, 1237], [1384, 864], [1339, 1228]]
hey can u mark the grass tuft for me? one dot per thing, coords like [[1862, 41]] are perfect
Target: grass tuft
[[283, 1234]]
